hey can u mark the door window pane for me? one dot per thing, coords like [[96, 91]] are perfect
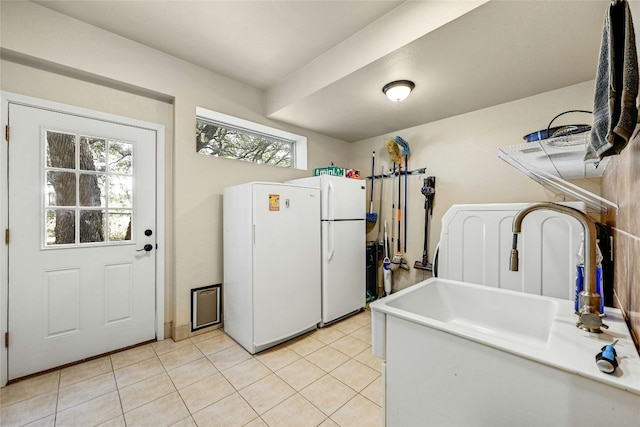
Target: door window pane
[[61, 188], [61, 150], [119, 226], [92, 226], [120, 157], [91, 189], [61, 226], [120, 190], [93, 154]]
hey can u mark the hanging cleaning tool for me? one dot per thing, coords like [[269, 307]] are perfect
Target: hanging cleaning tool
[[394, 151], [405, 151], [399, 210], [371, 215], [404, 145], [606, 359], [406, 184], [380, 242], [398, 258], [394, 214], [395, 156], [428, 191], [386, 264]]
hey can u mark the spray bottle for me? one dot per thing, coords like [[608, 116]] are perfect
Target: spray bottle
[[580, 276]]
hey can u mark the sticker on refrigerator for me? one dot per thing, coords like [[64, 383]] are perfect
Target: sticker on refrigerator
[[274, 202]]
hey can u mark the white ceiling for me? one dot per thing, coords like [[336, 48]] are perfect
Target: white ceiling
[[322, 64]]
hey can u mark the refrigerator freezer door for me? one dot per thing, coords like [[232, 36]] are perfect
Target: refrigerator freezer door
[[343, 268], [343, 198], [286, 262]]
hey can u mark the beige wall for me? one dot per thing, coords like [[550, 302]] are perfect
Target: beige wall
[[43, 39], [461, 152]]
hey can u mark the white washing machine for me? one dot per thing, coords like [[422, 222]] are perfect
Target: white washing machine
[[476, 240]]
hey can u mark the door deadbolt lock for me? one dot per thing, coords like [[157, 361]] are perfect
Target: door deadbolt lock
[[148, 232]]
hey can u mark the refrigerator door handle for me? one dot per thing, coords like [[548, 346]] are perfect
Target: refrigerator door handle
[[330, 213], [331, 243]]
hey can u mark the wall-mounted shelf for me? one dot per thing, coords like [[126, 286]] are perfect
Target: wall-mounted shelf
[[552, 161]]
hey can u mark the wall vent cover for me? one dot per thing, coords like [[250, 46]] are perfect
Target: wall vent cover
[[205, 306]]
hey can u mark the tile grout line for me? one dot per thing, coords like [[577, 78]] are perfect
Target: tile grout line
[[113, 373], [237, 391], [177, 391]]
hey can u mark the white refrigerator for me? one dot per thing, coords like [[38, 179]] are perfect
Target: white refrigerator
[[271, 241], [343, 222]]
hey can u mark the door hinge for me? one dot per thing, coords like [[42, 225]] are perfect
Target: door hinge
[[6, 339], [6, 132], [6, 236]]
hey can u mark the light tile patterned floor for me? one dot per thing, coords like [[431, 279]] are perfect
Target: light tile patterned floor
[[328, 377]]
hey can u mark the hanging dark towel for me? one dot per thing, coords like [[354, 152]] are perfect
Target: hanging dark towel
[[615, 112]]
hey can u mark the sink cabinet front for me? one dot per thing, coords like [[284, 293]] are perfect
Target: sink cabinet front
[[434, 378]]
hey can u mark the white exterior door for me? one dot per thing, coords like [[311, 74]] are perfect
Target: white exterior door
[[82, 221]]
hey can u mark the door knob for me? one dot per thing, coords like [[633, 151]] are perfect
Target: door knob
[[148, 247]]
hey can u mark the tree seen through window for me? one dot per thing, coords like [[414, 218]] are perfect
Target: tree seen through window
[[217, 139]]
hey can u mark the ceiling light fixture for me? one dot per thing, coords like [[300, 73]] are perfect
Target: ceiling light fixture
[[398, 90]]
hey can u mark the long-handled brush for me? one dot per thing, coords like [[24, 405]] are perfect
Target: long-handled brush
[[371, 215]]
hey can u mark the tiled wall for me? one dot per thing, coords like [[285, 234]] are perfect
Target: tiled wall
[[621, 184]]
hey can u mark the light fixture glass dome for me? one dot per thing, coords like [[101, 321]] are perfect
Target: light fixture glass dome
[[398, 90]]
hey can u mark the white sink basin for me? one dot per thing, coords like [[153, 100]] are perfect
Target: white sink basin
[[465, 354], [480, 309]]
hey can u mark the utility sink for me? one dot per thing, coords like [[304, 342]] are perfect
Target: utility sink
[[479, 309], [464, 354]]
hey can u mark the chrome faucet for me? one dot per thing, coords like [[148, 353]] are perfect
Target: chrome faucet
[[589, 317]]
